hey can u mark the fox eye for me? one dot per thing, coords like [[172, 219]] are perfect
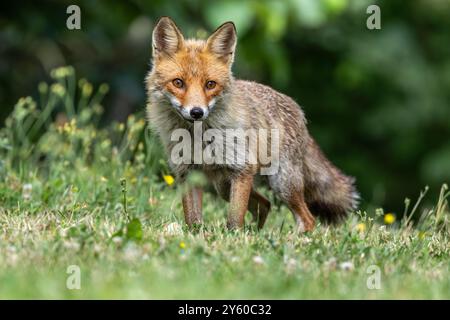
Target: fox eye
[[210, 85], [178, 83]]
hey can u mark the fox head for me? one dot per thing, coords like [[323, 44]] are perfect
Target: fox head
[[191, 76]]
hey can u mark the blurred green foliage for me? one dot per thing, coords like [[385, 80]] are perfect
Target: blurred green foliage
[[377, 101]]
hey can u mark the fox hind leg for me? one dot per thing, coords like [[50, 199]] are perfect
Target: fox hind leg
[[259, 206], [304, 219], [288, 185]]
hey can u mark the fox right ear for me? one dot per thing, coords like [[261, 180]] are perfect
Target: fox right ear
[[167, 38], [223, 41]]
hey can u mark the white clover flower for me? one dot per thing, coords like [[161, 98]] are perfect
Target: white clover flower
[[258, 260], [347, 266], [234, 259], [131, 252], [331, 263], [117, 240], [27, 191], [72, 245], [291, 265], [98, 248]]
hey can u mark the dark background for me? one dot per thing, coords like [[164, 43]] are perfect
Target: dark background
[[377, 101]]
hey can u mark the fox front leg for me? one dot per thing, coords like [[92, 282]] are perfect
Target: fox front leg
[[192, 206], [241, 187]]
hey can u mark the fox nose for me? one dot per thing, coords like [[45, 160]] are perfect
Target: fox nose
[[196, 113]]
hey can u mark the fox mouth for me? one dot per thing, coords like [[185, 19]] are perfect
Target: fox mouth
[[191, 113]]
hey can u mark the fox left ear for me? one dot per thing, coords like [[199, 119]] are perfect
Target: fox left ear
[[223, 41], [167, 38]]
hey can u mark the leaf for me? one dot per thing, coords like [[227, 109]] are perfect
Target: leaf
[[118, 233], [240, 12], [310, 13], [134, 230]]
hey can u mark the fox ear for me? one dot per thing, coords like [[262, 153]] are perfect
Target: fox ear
[[223, 41], [167, 38]]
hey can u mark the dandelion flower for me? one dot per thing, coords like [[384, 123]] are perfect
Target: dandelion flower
[[389, 218], [169, 179], [361, 227], [182, 245]]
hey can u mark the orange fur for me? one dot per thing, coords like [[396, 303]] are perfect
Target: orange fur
[[195, 64]]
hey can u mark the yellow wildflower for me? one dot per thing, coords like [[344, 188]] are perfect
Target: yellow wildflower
[[58, 89], [182, 245], [43, 87], [61, 72], [67, 127], [169, 179], [86, 90], [81, 82], [389, 218], [361, 227], [104, 88], [422, 235]]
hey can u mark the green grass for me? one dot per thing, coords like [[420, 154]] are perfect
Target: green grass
[[68, 191]]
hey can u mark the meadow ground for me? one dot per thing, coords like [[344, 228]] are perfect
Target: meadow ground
[[99, 203]]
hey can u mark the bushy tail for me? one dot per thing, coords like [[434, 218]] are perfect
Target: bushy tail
[[329, 193]]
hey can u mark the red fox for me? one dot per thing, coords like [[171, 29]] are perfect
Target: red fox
[[191, 82]]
